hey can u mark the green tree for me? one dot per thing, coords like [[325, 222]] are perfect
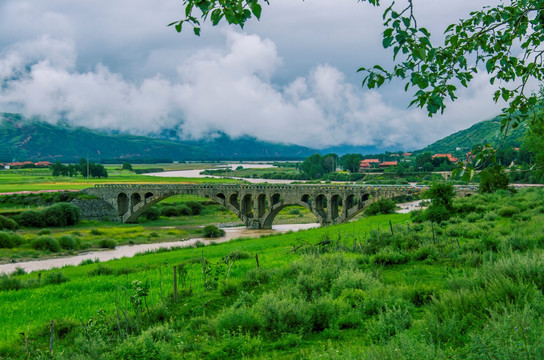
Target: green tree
[[126, 166], [313, 167], [441, 208], [330, 162], [492, 179], [351, 162], [422, 159]]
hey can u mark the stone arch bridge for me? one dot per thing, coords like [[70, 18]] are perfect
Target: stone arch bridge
[[255, 205]]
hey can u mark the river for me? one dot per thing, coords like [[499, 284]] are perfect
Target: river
[[131, 250], [196, 173]]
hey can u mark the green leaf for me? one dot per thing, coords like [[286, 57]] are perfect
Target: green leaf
[[256, 9], [178, 26], [387, 42], [196, 30]]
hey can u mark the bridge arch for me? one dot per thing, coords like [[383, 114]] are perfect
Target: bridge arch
[[135, 199], [272, 212], [122, 204]]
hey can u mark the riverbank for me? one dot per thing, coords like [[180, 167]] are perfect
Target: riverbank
[[132, 250]]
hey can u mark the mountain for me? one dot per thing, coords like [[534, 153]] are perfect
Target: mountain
[[487, 131], [30, 139]]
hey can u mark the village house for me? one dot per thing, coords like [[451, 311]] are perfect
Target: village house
[[387, 164], [368, 163], [450, 157]]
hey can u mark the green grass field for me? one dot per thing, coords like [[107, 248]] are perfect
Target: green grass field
[[381, 287], [36, 180]]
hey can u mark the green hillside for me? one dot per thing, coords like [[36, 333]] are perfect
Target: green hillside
[[29, 139], [483, 132]]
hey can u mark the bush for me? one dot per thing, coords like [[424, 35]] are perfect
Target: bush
[[283, 315], [382, 206], [153, 213], [185, 210], [67, 243], [31, 218], [54, 278], [101, 270], [170, 211], [294, 211], [389, 257], [10, 283], [60, 215], [212, 231], [508, 211], [46, 243], [57, 215], [107, 244], [9, 240], [8, 224], [238, 319], [196, 207]]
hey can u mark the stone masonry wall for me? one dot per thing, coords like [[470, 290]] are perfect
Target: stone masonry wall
[[95, 209]]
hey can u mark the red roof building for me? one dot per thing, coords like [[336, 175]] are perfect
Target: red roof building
[[367, 163], [449, 156], [43, 164], [388, 164]]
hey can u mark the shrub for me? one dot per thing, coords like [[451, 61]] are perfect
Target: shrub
[[9, 240], [44, 232], [153, 213], [212, 231], [389, 257], [324, 313], [417, 216], [54, 278], [100, 270], [67, 242], [46, 243], [294, 211], [196, 207], [241, 319], [18, 271], [382, 206], [107, 244], [283, 315], [30, 218], [437, 213], [184, 210], [96, 232], [60, 215], [10, 283], [353, 279], [8, 224], [390, 322], [514, 334], [170, 211], [508, 211]]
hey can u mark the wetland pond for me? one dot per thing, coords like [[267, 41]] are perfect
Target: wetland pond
[[131, 250]]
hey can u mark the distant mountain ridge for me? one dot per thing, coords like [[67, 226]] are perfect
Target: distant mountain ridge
[[30, 139], [487, 131]]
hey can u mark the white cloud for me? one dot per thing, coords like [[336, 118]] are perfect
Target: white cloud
[[227, 89]]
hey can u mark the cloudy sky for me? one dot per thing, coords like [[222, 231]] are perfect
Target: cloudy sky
[[290, 77]]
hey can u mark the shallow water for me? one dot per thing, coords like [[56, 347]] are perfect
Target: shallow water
[[196, 173], [131, 250]]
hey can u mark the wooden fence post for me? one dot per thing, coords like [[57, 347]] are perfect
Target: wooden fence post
[[175, 284], [52, 327]]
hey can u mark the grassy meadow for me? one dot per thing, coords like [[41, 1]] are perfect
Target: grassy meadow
[[40, 179], [381, 287]]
